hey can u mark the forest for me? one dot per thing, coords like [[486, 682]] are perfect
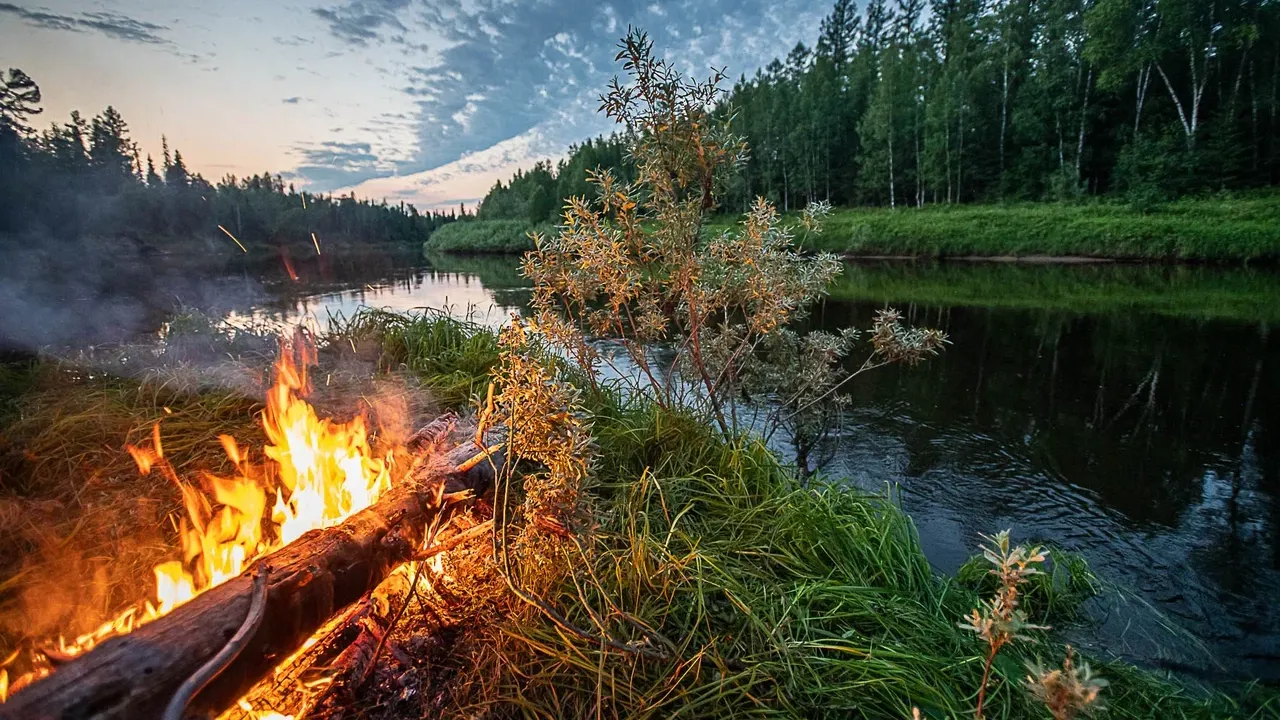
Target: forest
[[89, 178], [915, 103]]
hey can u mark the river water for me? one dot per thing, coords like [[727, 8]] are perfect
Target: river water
[[1129, 413]]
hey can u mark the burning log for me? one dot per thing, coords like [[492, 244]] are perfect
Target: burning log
[[307, 582]]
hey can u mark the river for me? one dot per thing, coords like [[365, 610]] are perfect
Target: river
[[1130, 413]]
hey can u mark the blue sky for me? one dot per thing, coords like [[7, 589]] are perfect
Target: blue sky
[[427, 101]]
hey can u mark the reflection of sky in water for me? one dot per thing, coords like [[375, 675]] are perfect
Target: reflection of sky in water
[[459, 294]]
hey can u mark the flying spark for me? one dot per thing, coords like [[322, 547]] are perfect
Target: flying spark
[[233, 237]]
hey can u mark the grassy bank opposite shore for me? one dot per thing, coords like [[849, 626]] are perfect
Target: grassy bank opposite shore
[[485, 236], [1209, 230], [761, 597], [1187, 230]]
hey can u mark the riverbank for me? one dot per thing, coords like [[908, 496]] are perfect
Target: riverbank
[[776, 599], [1227, 231], [1217, 230]]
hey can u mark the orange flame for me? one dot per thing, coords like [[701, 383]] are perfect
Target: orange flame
[[326, 472]]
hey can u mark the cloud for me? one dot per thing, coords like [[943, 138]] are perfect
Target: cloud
[[363, 21], [507, 69], [110, 24], [331, 164], [465, 180]]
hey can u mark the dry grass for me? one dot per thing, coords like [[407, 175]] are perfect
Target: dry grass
[[80, 526]]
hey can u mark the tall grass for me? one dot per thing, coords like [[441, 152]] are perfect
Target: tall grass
[[758, 597], [451, 357], [1212, 230], [765, 599]]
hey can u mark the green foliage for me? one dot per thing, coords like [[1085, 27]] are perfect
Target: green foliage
[[538, 195], [19, 100], [1204, 293], [451, 357], [981, 100], [484, 236], [1053, 596]]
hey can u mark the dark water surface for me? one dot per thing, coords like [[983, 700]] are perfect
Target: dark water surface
[[1129, 413], [1149, 443]]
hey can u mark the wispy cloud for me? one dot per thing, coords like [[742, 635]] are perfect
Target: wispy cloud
[[364, 21], [504, 70], [111, 24], [329, 164]]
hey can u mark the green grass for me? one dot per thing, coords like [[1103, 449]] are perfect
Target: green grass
[[450, 357], [764, 598], [1204, 293], [1212, 230], [483, 236], [767, 600], [1219, 230]]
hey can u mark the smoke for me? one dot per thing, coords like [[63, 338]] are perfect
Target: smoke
[[92, 291]]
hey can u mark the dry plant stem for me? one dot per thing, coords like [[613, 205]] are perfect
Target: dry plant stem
[[478, 458], [501, 507], [194, 684], [999, 620], [866, 366], [986, 676], [456, 540]]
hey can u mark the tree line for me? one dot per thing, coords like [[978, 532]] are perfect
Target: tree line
[[537, 195], [914, 102], [88, 178]]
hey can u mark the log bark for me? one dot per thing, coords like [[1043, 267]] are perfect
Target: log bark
[[379, 611], [309, 580]]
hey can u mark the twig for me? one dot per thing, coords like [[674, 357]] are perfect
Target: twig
[[478, 458], [194, 684], [413, 587], [455, 541]]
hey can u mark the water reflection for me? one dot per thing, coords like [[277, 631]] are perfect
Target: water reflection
[[320, 295], [1146, 442]]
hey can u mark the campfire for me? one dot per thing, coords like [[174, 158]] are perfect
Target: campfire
[[308, 545]]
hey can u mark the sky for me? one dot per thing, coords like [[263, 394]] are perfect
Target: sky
[[425, 101]]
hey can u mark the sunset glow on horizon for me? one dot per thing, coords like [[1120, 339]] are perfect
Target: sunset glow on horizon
[[422, 101]]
